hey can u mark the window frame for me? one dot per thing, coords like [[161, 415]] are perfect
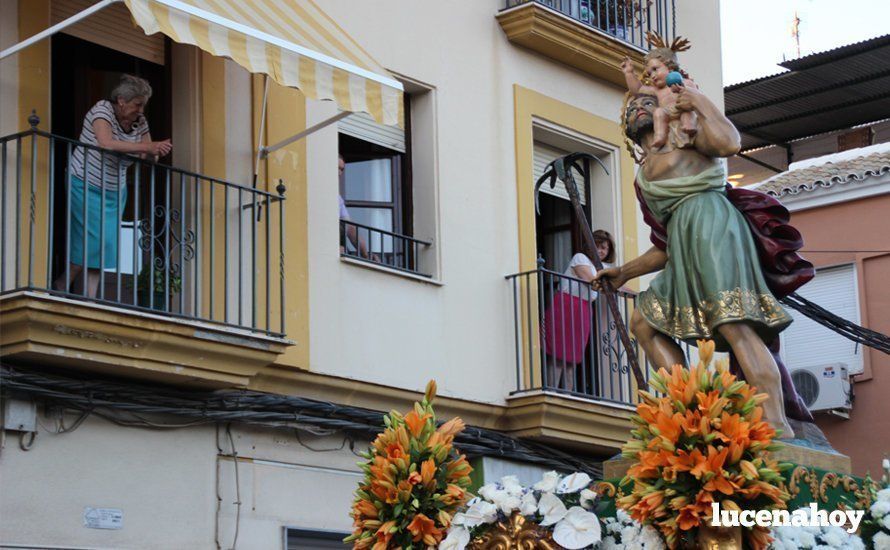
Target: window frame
[[321, 534]]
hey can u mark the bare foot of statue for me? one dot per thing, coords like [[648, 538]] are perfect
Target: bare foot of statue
[[760, 371]]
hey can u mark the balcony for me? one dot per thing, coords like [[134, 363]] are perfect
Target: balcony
[[382, 248], [192, 292], [574, 382], [591, 35]]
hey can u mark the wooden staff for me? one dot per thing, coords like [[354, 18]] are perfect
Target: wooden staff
[[562, 168]]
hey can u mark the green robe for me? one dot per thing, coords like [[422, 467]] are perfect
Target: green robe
[[712, 275]]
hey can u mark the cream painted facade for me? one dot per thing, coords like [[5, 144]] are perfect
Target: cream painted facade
[[356, 334], [459, 326]]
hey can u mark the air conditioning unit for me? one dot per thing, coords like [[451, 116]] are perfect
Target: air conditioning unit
[[823, 387]]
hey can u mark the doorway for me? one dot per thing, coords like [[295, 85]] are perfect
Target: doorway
[[84, 73]]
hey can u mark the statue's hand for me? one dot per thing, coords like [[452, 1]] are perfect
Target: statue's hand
[[614, 275], [627, 66], [687, 97]]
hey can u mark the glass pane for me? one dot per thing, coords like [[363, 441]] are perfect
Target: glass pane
[[369, 180], [379, 218]]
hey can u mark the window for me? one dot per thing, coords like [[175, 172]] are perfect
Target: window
[[806, 343], [305, 539], [384, 205]]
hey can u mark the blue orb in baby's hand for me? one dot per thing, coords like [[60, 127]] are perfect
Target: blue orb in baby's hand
[[674, 77]]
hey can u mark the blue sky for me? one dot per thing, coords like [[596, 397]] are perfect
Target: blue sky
[[756, 33]]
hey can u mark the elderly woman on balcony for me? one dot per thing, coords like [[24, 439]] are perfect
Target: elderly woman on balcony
[[97, 181]]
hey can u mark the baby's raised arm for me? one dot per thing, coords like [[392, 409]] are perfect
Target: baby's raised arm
[[633, 81]]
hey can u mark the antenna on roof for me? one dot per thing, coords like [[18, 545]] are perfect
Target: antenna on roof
[[795, 32]]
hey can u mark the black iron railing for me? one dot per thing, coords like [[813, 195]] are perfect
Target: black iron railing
[[377, 246], [175, 242], [627, 20], [565, 339]]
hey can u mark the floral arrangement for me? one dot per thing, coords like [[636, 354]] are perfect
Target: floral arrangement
[[876, 526], [703, 440], [562, 504], [414, 483], [623, 532], [815, 538]]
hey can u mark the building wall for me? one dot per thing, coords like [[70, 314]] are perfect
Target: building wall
[[167, 484], [391, 330], [865, 228]]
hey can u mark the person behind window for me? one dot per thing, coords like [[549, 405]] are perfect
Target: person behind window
[[568, 320], [117, 124], [351, 230]]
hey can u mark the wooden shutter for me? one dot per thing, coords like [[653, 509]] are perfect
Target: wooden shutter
[[806, 343], [362, 126], [544, 154], [112, 27]]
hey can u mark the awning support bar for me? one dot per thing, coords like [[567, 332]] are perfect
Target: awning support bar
[[264, 151], [260, 137], [57, 27]]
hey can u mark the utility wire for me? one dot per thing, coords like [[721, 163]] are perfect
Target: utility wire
[[848, 329], [127, 404]]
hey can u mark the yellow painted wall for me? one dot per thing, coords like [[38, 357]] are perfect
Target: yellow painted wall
[[285, 116], [34, 94], [529, 104]]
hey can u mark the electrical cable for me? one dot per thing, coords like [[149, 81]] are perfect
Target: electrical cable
[[237, 502], [127, 404], [848, 329]]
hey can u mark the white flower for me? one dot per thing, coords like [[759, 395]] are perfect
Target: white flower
[[528, 505], [609, 543], [587, 498], [807, 539], [628, 533], [511, 485], [885, 464], [487, 490], [880, 508], [551, 508], [573, 483], [651, 538], [886, 521], [881, 541], [884, 494], [505, 502], [458, 538], [578, 529], [855, 543], [479, 513], [833, 538], [548, 483]]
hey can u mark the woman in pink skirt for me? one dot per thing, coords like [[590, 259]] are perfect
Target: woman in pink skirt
[[568, 320]]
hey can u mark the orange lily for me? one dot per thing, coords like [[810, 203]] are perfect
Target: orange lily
[[416, 423], [423, 528]]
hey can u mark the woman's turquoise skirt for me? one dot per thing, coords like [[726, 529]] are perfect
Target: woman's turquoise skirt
[[97, 230]]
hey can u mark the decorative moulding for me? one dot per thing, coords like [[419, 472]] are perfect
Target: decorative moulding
[[43, 330], [571, 42]]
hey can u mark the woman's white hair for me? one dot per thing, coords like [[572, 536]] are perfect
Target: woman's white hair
[[129, 87]]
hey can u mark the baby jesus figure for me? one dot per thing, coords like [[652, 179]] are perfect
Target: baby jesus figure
[[658, 64]]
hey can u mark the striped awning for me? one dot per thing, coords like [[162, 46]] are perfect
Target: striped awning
[[292, 41]]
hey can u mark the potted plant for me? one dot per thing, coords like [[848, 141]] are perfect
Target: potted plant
[[161, 281]]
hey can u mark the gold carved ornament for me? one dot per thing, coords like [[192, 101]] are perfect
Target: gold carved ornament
[[819, 487], [515, 533]]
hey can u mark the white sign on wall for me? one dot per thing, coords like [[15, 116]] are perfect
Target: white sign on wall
[[103, 518]]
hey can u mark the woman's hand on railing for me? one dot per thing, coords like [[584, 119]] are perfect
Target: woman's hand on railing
[[158, 149]]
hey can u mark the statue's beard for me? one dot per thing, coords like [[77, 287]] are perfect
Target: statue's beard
[[636, 128]]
